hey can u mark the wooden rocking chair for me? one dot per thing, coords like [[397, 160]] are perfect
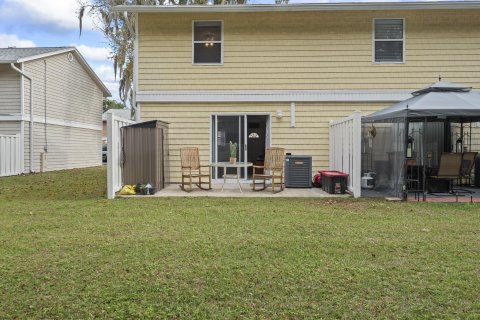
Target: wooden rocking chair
[[192, 170], [272, 168]]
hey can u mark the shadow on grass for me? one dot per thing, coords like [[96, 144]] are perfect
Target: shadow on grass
[[73, 184]]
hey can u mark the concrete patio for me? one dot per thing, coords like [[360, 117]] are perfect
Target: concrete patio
[[232, 190]]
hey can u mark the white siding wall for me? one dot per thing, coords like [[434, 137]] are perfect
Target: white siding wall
[[10, 127], [9, 90], [71, 95], [68, 147]]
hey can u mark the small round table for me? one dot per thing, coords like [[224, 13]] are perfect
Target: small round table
[[226, 165]]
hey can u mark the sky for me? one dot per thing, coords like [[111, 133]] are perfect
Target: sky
[[54, 23]]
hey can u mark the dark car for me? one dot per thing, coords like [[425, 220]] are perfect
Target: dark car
[[104, 153]]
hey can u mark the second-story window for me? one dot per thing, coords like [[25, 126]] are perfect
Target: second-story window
[[388, 40], [207, 42]]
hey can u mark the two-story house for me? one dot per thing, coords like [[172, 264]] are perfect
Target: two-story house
[[268, 75], [52, 99]]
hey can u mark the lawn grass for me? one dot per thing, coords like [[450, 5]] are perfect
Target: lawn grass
[[66, 252]]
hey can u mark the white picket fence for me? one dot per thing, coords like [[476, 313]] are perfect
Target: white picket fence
[[11, 150], [345, 138], [114, 153]]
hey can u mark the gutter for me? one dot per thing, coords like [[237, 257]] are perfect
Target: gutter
[[31, 112], [350, 6]]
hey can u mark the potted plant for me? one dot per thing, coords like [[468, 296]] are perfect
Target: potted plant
[[233, 152]]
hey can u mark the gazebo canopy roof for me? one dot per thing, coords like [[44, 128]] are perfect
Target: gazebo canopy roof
[[441, 100]]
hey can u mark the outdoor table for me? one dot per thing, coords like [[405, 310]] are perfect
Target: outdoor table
[[226, 165]]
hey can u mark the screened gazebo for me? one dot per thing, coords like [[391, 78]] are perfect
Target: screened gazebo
[[408, 139]]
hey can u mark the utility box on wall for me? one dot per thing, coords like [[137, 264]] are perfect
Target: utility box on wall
[[145, 154], [298, 171]]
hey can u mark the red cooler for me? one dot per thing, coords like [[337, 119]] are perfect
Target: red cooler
[[334, 181]]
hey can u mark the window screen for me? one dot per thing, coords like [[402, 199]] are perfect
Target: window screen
[[207, 42], [388, 40]]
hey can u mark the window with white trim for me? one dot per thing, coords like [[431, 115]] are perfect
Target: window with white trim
[[388, 40], [207, 42]]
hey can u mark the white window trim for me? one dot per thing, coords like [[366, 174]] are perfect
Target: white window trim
[[221, 44], [374, 40]]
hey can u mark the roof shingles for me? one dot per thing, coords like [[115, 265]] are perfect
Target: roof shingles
[[8, 55]]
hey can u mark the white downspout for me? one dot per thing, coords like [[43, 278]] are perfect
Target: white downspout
[[22, 113], [31, 112]]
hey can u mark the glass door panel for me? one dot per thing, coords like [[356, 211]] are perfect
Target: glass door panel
[[226, 129]]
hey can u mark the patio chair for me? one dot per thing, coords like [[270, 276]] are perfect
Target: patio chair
[[192, 170], [272, 169], [468, 161], [449, 168], [414, 178]]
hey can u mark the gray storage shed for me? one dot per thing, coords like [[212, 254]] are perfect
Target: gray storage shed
[[145, 153]]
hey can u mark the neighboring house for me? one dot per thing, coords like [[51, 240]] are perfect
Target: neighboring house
[[266, 75], [63, 129], [122, 113]]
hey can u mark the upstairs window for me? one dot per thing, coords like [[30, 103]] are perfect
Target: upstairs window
[[389, 40], [207, 42]]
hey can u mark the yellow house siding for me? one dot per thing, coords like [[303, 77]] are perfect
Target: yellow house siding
[[309, 51], [190, 126]]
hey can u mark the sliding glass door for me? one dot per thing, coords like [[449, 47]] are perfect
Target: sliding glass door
[[226, 128], [251, 133]]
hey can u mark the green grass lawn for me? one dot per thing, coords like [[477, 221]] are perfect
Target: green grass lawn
[[66, 252]]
